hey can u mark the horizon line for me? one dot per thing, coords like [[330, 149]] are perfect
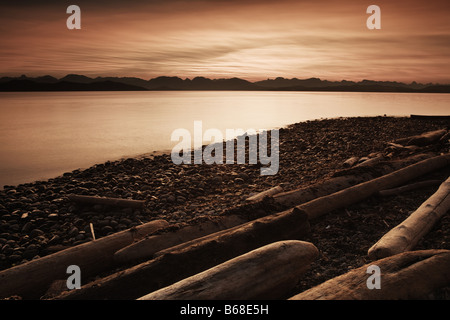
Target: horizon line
[[219, 78]]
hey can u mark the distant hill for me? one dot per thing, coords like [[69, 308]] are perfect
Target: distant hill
[[74, 82], [28, 85]]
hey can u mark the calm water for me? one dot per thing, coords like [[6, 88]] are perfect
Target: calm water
[[43, 135]]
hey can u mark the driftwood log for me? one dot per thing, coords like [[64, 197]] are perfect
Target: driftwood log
[[408, 275], [347, 179], [106, 201], [32, 279], [409, 187], [187, 259], [423, 139], [266, 193], [148, 246], [317, 207], [269, 272], [407, 234]]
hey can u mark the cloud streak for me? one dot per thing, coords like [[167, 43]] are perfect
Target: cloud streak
[[249, 39]]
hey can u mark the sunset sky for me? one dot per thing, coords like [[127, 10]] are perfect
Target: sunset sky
[[250, 39]]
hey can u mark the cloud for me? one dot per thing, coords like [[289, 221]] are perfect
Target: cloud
[[247, 38]]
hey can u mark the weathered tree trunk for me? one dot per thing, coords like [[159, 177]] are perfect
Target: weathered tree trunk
[[407, 234], [30, 280], [269, 272], [146, 247], [107, 201], [408, 275], [422, 139], [266, 193], [409, 187], [348, 178], [343, 198], [187, 259]]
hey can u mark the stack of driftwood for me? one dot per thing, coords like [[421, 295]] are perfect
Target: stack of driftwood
[[231, 257]]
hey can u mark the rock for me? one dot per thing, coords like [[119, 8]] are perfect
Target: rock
[[36, 232], [30, 253], [107, 229], [7, 249], [55, 239], [53, 216], [125, 221], [79, 237], [14, 227], [103, 223], [15, 258], [73, 232], [239, 180]]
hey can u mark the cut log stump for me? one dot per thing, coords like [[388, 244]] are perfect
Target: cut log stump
[[407, 275], [407, 234], [269, 272]]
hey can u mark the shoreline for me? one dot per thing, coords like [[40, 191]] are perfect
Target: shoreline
[[36, 219], [164, 152]]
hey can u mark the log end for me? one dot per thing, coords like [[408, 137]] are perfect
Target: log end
[[379, 252]]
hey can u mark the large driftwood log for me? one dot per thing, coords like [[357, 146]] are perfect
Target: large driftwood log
[[407, 234], [107, 201], [148, 246], [187, 259], [31, 279], [346, 197], [348, 178], [408, 275], [269, 272], [422, 139], [409, 187]]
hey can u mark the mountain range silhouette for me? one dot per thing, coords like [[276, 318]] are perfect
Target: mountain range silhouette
[[75, 82]]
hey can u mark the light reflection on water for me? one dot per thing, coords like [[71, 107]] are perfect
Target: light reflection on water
[[44, 134]]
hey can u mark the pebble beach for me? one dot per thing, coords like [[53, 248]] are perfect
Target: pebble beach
[[37, 218]]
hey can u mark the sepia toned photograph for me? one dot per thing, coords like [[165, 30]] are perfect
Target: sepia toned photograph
[[222, 157]]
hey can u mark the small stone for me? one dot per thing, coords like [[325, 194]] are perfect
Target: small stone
[[14, 227], [125, 221], [36, 232], [30, 253], [53, 216], [73, 232], [239, 180], [14, 258], [80, 236], [107, 229], [54, 239]]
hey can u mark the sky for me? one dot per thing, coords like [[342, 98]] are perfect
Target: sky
[[249, 39]]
